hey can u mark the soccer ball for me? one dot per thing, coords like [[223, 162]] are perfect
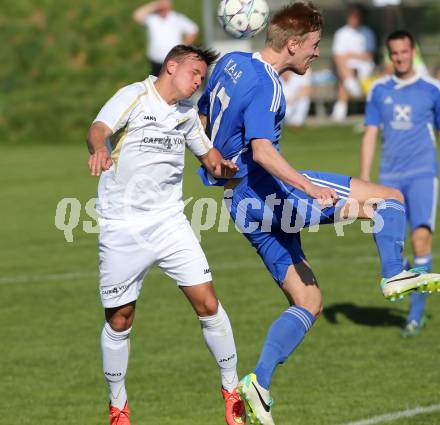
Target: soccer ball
[[243, 18]]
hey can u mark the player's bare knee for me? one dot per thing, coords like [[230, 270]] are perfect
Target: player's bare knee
[[121, 318], [315, 308], [395, 194], [119, 323], [202, 298], [312, 303], [208, 307]]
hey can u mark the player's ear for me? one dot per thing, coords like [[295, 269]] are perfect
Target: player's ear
[[292, 45], [171, 66]]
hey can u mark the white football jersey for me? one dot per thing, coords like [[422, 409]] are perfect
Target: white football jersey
[[353, 40], [148, 151], [163, 33]]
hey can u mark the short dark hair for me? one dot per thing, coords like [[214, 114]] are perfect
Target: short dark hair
[[400, 35], [180, 52], [356, 8], [294, 20]]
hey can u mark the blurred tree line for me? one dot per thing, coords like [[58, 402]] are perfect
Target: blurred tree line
[[62, 60]]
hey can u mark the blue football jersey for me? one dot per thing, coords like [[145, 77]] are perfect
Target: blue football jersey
[[243, 101], [408, 114]]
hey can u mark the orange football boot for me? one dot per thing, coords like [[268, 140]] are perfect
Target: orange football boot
[[119, 417], [235, 411]]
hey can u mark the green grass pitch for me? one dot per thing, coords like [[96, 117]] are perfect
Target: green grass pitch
[[353, 365]]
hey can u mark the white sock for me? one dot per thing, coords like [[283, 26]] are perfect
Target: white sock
[[219, 338], [115, 347], [353, 87], [340, 109]]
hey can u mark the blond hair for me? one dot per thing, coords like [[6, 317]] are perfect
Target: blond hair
[[294, 20]]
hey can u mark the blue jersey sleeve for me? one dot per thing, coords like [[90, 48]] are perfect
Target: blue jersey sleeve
[[437, 111], [372, 110], [259, 116]]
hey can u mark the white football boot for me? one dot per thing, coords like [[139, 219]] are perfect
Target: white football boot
[[408, 281], [257, 401]]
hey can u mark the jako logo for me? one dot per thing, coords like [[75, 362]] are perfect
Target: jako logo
[[206, 271], [113, 373], [232, 356], [149, 118]]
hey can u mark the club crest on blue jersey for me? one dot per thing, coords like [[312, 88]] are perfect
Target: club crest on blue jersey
[[402, 117]]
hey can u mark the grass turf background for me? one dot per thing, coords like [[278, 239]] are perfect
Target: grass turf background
[[352, 365]]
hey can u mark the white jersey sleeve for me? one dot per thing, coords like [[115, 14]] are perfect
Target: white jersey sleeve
[[196, 139], [187, 26], [116, 112]]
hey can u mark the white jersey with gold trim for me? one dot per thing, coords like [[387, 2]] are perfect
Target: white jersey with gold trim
[[148, 151]]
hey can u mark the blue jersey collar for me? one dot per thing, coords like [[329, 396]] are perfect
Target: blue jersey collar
[[403, 83], [257, 55]]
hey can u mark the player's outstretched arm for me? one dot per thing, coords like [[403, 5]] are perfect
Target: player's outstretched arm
[[367, 151], [274, 163], [141, 12], [190, 38], [217, 166], [100, 159]]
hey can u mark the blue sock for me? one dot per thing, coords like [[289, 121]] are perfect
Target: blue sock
[[285, 334], [389, 235], [418, 300]]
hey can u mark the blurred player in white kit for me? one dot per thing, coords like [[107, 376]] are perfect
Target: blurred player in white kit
[[297, 90]]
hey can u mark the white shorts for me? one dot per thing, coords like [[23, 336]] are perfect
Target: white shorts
[[127, 250], [364, 68]]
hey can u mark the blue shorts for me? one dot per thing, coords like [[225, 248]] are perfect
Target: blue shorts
[[272, 213], [421, 195]]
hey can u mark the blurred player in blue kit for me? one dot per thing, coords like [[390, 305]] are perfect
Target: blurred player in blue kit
[[405, 107], [242, 109]]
